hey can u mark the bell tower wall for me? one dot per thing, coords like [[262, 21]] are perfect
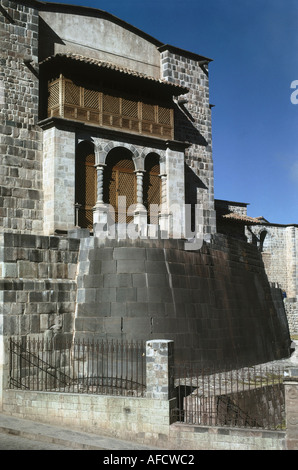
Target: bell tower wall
[[20, 137]]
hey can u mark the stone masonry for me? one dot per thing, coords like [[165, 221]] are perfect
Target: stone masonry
[[150, 419], [291, 395], [216, 303], [279, 247], [37, 285], [21, 197], [180, 67]]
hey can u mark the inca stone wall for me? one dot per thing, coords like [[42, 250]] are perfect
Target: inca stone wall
[[216, 304], [37, 285], [193, 124], [20, 139]]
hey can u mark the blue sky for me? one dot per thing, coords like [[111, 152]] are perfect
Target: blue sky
[[254, 47]]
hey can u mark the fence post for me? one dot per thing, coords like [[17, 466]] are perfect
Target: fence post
[[291, 403], [159, 363]]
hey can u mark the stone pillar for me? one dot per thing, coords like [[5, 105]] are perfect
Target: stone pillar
[[101, 210], [159, 369], [99, 170], [164, 214], [140, 212], [175, 192], [58, 180], [291, 402]]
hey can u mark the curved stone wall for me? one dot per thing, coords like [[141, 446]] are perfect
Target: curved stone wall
[[216, 303]]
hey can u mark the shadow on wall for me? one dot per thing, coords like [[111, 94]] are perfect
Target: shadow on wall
[[47, 40], [185, 129], [192, 184]]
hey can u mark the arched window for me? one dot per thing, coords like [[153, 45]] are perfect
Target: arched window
[[263, 235], [85, 186], [152, 186], [120, 180]]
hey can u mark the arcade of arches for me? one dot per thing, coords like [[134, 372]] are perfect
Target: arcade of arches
[[120, 178]]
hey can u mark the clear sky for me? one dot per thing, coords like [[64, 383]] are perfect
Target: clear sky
[[254, 47]]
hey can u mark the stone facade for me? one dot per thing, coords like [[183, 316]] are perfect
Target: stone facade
[[63, 277], [37, 173], [20, 137], [37, 285], [62, 280], [279, 247], [192, 72]]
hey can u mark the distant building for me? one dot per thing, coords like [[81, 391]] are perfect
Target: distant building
[[277, 243], [279, 247]]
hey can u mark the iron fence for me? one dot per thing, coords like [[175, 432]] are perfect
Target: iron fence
[[250, 397], [91, 367]]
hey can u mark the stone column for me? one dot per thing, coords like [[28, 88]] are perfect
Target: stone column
[[100, 210], [159, 369], [160, 376], [291, 402], [59, 149], [164, 214], [175, 191], [100, 170], [140, 212]]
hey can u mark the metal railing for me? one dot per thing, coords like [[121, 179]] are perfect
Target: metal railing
[[101, 367], [251, 397]]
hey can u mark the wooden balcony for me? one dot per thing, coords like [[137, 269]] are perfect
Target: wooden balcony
[[69, 100]]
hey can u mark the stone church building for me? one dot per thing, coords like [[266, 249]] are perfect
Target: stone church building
[[95, 111], [104, 128]]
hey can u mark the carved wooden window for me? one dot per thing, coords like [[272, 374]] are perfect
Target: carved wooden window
[[85, 187], [99, 107], [120, 180]]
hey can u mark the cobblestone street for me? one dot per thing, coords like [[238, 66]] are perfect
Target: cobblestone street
[[11, 442]]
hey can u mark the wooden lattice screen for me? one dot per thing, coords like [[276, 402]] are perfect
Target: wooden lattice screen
[[152, 187], [85, 191], [120, 180], [71, 101]]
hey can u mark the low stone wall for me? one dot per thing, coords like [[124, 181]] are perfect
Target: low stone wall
[[142, 420], [147, 420], [216, 438]]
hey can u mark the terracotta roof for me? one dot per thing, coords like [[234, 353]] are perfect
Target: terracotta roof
[[110, 66], [241, 218]]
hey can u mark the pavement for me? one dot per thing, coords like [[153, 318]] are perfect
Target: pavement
[[57, 438]]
